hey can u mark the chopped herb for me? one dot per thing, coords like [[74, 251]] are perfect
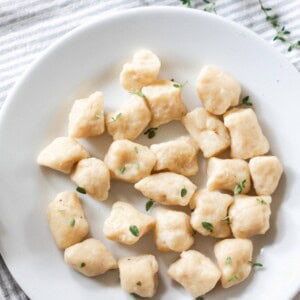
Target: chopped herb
[[240, 187], [134, 230], [228, 260], [261, 201], [245, 101], [179, 86], [150, 132], [122, 169], [139, 283], [117, 117], [81, 190], [210, 6], [226, 219], [187, 3], [199, 298], [208, 226], [99, 116], [255, 264], [149, 204], [72, 223], [82, 265], [234, 278], [139, 93], [183, 192], [136, 149]]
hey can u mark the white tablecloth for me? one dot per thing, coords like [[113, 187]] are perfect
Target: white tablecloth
[[28, 27]]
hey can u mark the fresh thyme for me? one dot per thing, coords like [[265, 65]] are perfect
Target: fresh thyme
[[255, 264], [282, 34], [226, 219], [149, 204], [117, 117], [208, 226], [245, 101], [186, 3], [150, 132], [180, 85], [240, 187], [210, 6]]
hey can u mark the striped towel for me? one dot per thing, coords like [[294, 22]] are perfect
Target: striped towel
[[28, 27]]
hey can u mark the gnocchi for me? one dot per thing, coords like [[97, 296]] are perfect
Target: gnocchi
[[66, 220], [167, 188], [90, 258], [126, 224], [208, 131], [62, 154], [178, 156]]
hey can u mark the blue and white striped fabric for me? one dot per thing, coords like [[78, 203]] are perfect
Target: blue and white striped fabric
[[28, 27]]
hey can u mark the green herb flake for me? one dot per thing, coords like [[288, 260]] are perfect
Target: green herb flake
[[210, 6], [228, 260], [199, 298], [183, 192], [139, 93], [99, 116], [149, 204], [136, 149], [139, 283], [234, 278], [261, 201], [245, 101], [122, 169], [208, 226], [255, 264], [117, 117], [179, 86], [82, 265], [134, 230], [81, 190], [187, 3], [72, 223], [150, 132], [240, 187], [226, 219]]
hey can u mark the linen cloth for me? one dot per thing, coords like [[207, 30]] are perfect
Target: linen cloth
[[28, 27]]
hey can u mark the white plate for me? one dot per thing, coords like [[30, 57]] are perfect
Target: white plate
[[90, 58]]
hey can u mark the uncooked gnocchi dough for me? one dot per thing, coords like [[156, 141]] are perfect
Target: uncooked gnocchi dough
[[167, 188], [164, 100], [129, 161], [249, 215], [265, 173], [138, 275], [234, 258], [208, 131], [126, 224], [130, 120], [90, 258], [210, 212], [142, 70], [195, 272], [228, 174], [87, 117], [173, 231], [247, 139], [217, 90], [66, 220], [179, 156], [62, 154], [93, 175]]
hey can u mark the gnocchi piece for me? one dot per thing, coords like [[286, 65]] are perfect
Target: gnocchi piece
[[90, 258], [249, 215], [167, 188], [265, 173], [208, 131], [141, 71], [217, 90], [130, 121], [247, 139], [179, 156], [93, 175], [129, 161], [126, 224], [195, 272], [62, 154], [66, 220], [228, 174], [210, 215], [164, 100], [234, 258], [87, 117], [138, 275], [173, 231]]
